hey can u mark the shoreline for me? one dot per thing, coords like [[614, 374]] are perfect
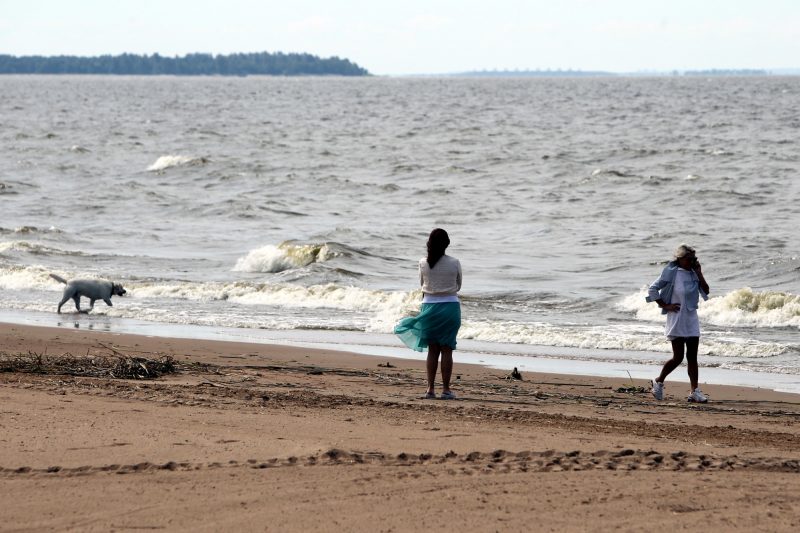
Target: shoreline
[[526, 358], [248, 434], [45, 339]]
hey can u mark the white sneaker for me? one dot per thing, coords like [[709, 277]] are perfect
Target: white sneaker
[[697, 397], [658, 390]]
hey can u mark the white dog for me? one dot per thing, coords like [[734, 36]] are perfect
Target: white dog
[[94, 289]]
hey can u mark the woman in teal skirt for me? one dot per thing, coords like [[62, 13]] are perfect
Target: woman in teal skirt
[[436, 325]]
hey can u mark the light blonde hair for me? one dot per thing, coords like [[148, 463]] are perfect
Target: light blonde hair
[[682, 250]]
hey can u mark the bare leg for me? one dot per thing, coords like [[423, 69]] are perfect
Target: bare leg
[[447, 367], [672, 364], [692, 344], [433, 364]]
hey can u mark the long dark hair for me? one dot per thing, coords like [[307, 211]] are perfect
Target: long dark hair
[[437, 244]]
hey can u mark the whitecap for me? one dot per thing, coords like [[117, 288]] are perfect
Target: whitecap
[[168, 161]]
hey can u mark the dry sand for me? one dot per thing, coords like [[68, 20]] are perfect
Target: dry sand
[[274, 438]]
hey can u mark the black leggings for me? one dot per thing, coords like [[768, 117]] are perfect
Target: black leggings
[[691, 344], [679, 346]]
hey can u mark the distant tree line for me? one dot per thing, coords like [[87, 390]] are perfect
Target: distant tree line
[[727, 72], [264, 63], [588, 73], [534, 73]]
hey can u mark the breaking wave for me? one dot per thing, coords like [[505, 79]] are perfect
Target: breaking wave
[[34, 249], [25, 278], [744, 307], [285, 256], [741, 307], [29, 230], [284, 295]]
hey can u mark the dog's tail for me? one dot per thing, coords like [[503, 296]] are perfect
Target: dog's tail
[[58, 278]]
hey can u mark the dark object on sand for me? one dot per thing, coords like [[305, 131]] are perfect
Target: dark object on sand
[[632, 390], [100, 367], [514, 375], [386, 365]]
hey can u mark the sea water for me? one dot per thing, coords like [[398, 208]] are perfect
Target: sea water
[[296, 209]]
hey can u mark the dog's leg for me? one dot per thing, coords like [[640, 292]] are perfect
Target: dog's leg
[[91, 306], [62, 302], [108, 302], [77, 300]]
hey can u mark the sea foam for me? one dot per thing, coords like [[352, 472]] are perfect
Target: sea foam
[[627, 338]]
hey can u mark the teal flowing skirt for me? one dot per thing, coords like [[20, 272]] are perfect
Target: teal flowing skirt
[[435, 324]]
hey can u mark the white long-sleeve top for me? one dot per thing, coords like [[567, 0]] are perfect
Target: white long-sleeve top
[[444, 279], [683, 323]]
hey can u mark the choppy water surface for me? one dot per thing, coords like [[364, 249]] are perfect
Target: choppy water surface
[[304, 204]]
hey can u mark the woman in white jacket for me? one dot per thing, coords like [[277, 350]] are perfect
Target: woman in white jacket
[[439, 319], [677, 292]]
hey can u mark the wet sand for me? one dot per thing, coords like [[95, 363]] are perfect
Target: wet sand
[[265, 437]]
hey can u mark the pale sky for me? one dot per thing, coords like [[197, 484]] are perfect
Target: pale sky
[[423, 36]]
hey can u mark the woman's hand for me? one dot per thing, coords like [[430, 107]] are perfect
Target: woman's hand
[[698, 270]]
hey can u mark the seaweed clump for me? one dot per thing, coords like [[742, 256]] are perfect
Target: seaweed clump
[[118, 367]]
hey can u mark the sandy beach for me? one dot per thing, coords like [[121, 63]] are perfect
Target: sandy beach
[[272, 438]]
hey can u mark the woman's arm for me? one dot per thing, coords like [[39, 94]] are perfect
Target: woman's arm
[[653, 294], [652, 290], [703, 283]]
